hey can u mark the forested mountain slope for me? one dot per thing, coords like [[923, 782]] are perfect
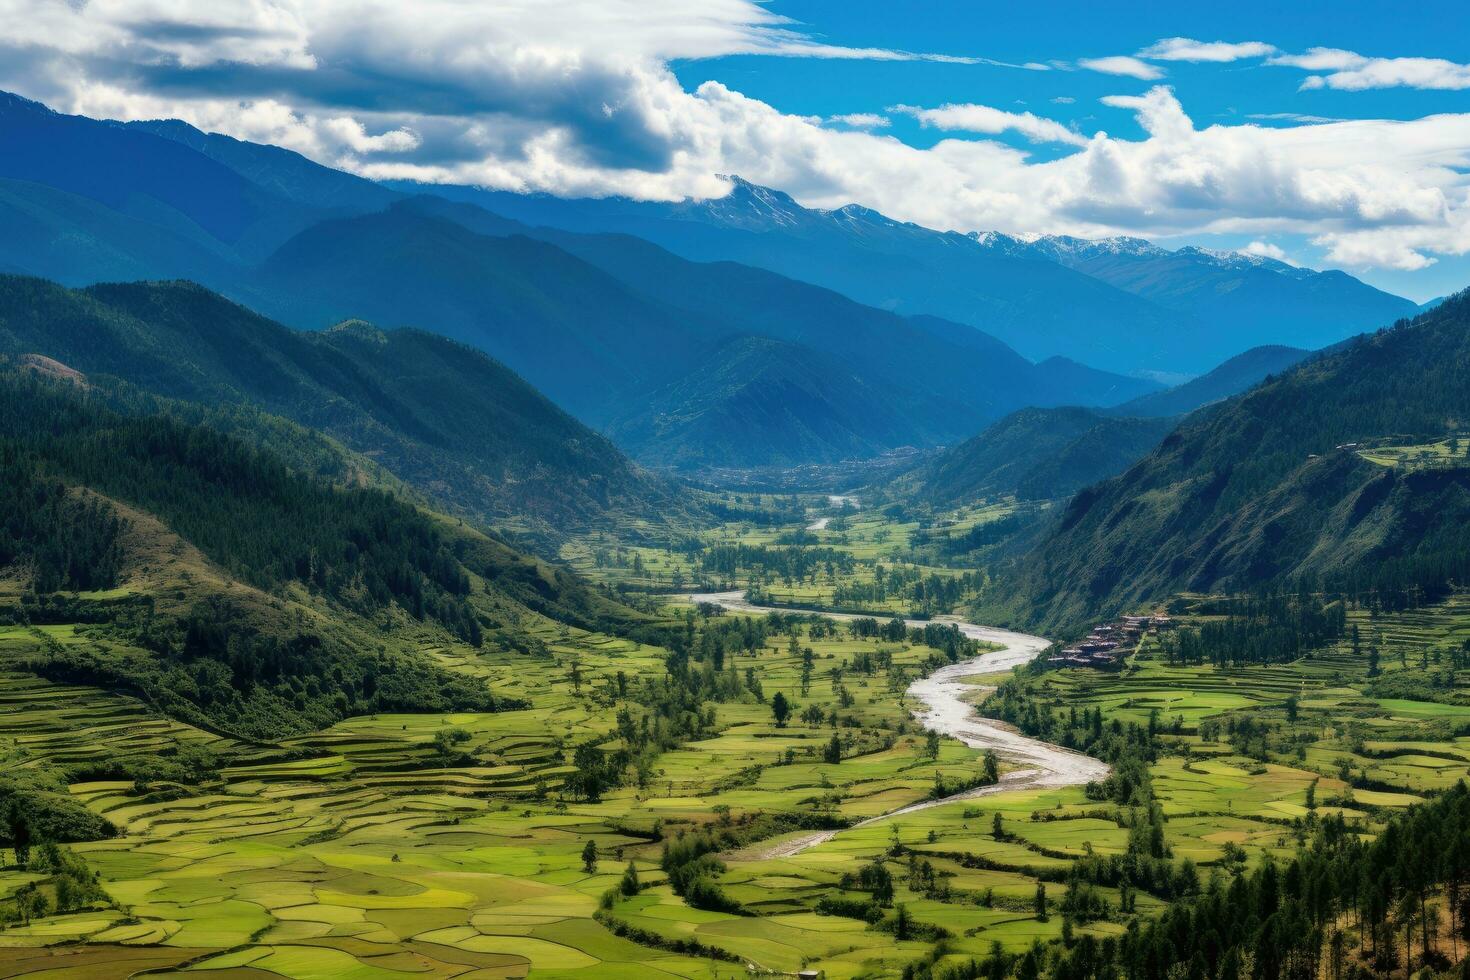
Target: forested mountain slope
[[462, 428], [1270, 488], [1039, 454], [230, 588]]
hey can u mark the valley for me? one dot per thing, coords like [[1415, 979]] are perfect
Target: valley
[[477, 539]]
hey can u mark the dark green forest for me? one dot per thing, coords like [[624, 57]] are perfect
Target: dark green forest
[[1267, 491]]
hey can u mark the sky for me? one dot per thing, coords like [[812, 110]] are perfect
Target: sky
[[1329, 135]]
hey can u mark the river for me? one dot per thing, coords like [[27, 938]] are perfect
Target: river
[[947, 709]]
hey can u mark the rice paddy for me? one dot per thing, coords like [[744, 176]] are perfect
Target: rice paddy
[[443, 845]]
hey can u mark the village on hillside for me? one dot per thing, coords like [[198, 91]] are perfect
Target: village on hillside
[[1107, 645]]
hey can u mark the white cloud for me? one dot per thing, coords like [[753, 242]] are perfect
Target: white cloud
[[1353, 72], [1267, 250], [1064, 100], [860, 120], [1122, 64], [973, 118], [1298, 117], [577, 98], [1188, 49]]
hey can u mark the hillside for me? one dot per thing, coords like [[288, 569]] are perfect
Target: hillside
[[1270, 488], [99, 198], [460, 427], [611, 327], [230, 589], [1230, 378], [1039, 454], [759, 402]]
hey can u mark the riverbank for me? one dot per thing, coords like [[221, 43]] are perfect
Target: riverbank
[[946, 708]]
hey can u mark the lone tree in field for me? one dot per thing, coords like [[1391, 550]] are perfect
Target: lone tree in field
[[931, 744], [20, 834], [781, 708], [1040, 902], [992, 768], [630, 885], [589, 858], [833, 752]]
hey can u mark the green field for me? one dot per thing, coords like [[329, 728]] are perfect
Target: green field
[[452, 844]]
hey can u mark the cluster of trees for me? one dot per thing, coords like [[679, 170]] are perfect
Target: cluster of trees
[[926, 594], [1267, 629], [69, 885], [689, 861], [791, 564], [1343, 906]]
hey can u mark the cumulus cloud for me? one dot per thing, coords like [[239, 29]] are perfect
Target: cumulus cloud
[[1353, 72], [577, 98], [1122, 64], [1188, 49], [973, 118], [860, 120]]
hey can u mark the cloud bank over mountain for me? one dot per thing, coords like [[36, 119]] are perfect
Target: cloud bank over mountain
[[579, 98]]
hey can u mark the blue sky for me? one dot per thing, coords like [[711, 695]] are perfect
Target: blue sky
[[1329, 135], [1248, 90]]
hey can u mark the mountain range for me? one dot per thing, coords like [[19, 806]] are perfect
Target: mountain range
[[1124, 305], [607, 326], [743, 331]]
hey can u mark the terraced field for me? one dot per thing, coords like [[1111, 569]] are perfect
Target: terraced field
[[447, 845], [371, 849]]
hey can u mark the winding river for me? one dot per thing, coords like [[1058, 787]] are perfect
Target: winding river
[[946, 709]]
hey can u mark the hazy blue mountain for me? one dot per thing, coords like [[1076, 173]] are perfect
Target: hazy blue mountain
[[1127, 305], [178, 193], [606, 325], [1231, 378], [1249, 300], [601, 323], [279, 171], [1037, 307], [757, 401]]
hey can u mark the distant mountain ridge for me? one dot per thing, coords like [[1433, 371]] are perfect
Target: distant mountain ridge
[[1122, 304], [1241, 372], [605, 326]]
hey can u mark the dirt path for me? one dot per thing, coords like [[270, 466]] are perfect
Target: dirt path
[[945, 708]]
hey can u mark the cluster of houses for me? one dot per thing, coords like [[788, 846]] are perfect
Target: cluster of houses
[[1107, 645]]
